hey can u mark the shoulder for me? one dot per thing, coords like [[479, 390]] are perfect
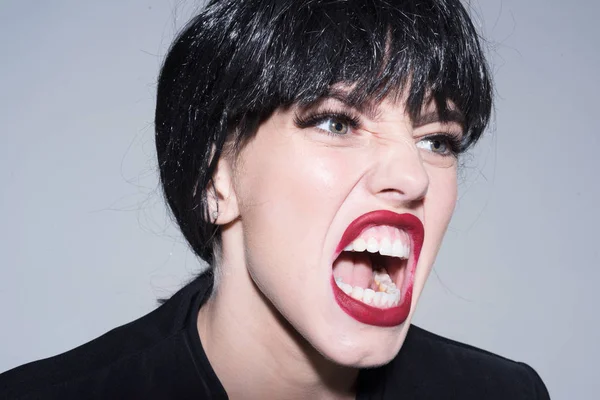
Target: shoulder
[[437, 367], [123, 362]]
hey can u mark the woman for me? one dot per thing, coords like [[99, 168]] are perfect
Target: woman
[[308, 151]]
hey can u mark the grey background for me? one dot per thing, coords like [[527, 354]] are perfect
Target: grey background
[[86, 243]]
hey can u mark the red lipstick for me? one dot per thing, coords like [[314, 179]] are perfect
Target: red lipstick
[[365, 313]]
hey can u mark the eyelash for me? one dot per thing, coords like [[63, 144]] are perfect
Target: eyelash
[[353, 121], [312, 120], [452, 141]]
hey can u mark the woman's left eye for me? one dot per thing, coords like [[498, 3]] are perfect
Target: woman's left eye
[[335, 126], [439, 144]]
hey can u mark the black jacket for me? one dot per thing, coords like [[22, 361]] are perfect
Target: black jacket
[[160, 356]]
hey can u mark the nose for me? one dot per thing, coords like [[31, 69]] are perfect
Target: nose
[[398, 176]]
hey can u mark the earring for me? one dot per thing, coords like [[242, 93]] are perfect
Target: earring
[[214, 215]]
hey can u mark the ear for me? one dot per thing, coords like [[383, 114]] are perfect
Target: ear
[[222, 201]]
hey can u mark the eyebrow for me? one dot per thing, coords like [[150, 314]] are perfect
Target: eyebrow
[[432, 117], [372, 111]]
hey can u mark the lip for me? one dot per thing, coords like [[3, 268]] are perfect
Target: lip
[[360, 311]]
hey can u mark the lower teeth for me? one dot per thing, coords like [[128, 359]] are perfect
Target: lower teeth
[[388, 295]]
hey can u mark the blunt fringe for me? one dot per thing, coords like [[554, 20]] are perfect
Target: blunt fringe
[[239, 60]]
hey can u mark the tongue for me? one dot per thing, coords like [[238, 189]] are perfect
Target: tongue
[[355, 269]]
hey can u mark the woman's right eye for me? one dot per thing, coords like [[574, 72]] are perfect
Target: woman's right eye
[[334, 126], [334, 123]]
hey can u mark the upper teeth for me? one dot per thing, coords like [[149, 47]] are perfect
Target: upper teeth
[[385, 247]]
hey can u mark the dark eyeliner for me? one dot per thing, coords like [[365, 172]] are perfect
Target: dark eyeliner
[[313, 119], [453, 141]]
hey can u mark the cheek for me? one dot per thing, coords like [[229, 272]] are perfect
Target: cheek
[[437, 211], [287, 199], [297, 178], [441, 198], [438, 207]]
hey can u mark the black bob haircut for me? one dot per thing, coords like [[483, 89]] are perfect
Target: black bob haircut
[[240, 60]]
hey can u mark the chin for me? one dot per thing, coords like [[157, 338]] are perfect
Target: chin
[[365, 349]]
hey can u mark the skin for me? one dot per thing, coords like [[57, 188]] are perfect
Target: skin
[[272, 328]]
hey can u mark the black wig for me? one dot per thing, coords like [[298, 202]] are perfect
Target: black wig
[[240, 60]]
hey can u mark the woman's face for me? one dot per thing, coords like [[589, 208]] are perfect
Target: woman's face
[[316, 181]]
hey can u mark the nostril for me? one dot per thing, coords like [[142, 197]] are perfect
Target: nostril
[[392, 192], [412, 189], [400, 195]]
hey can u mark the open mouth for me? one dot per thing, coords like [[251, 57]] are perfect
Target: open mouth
[[373, 271]]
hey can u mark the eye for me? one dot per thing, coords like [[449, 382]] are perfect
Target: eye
[[334, 125], [333, 122], [441, 144]]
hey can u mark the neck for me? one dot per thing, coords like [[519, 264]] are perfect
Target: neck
[[255, 352]]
